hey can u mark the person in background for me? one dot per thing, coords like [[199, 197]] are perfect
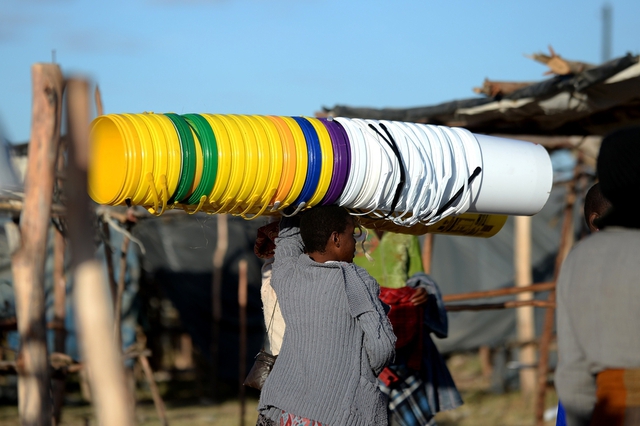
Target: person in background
[[338, 337], [264, 248], [418, 382], [595, 206], [598, 311]]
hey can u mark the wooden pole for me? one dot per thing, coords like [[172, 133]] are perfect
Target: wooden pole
[[216, 296], [59, 314], [122, 274], [34, 405], [155, 392], [59, 297], [498, 292], [94, 315], [566, 242], [427, 253], [242, 304], [525, 316], [502, 305]]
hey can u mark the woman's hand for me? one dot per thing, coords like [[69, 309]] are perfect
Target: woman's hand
[[420, 296]]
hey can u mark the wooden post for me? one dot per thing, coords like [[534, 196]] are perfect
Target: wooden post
[[34, 404], [525, 318], [216, 296], [427, 253], [242, 304], [94, 315]]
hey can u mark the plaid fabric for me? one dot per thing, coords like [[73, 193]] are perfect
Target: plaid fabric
[[265, 246], [436, 387], [617, 398], [288, 419], [408, 401]]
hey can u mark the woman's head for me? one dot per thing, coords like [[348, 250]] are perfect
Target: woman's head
[[327, 232], [619, 177]]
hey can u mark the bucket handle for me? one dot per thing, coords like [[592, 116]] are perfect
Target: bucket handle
[[224, 206], [164, 191], [262, 210], [200, 204]]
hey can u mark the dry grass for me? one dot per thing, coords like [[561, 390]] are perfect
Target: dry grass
[[481, 406]]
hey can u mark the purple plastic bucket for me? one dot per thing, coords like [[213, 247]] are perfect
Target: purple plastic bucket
[[341, 160]]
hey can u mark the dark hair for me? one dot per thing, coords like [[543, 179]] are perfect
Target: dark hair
[[595, 202], [318, 223], [619, 177]]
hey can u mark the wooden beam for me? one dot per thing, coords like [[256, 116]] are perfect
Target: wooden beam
[[94, 314], [558, 65], [34, 404], [498, 292]]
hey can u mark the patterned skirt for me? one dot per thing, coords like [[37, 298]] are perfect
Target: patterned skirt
[[287, 419]]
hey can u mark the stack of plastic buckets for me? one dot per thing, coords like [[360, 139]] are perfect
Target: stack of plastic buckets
[[399, 176]]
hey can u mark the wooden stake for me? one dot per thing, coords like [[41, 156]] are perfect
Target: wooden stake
[[242, 304], [216, 296], [94, 315], [117, 329], [525, 318], [34, 405], [155, 393], [59, 315]]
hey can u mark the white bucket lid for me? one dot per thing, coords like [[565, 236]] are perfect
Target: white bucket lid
[[387, 191], [376, 169], [420, 195], [357, 170]]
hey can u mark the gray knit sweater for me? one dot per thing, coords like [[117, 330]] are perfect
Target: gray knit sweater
[[338, 339], [598, 316]]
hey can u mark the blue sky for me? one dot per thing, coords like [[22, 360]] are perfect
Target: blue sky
[[287, 57]]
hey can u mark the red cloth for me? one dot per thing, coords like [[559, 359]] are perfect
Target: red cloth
[[406, 319], [265, 246]]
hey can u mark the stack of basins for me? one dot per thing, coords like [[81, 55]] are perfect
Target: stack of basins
[[401, 176]]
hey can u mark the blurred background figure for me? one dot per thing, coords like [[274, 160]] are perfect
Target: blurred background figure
[[598, 375], [595, 206]]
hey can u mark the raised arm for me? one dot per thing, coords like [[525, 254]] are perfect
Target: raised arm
[[289, 244]]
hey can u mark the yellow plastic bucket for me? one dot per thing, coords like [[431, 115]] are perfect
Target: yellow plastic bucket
[[301, 161], [143, 189], [289, 159], [173, 152], [270, 167], [160, 154], [225, 161], [238, 164], [326, 171], [251, 165], [110, 158], [136, 152], [277, 156]]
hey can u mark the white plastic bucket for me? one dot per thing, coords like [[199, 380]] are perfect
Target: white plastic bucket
[[516, 177]]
